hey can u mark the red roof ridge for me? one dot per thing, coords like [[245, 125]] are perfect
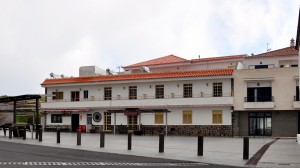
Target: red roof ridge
[[219, 58], [157, 61], [279, 52], [144, 76]]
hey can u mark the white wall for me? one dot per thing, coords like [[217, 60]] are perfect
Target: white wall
[[176, 87]]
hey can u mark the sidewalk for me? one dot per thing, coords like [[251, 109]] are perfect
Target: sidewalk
[[217, 150]]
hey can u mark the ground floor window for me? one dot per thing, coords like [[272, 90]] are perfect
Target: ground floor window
[[217, 116], [56, 118], [159, 118], [187, 117], [132, 122], [107, 121], [260, 123]]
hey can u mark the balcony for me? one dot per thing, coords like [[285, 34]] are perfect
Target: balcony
[[259, 102], [145, 101], [296, 103]]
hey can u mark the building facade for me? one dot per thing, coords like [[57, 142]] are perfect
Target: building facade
[[181, 103], [266, 102]]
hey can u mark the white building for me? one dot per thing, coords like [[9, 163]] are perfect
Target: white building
[[184, 101]]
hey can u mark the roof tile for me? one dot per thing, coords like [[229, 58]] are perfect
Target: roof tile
[[288, 51], [158, 61], [145, 76]]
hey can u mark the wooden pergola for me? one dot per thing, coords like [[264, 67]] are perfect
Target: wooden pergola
[[15, 99]]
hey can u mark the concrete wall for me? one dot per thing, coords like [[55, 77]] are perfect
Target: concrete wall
[[283, 86]]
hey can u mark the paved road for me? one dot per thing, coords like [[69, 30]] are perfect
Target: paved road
[[24, 155]]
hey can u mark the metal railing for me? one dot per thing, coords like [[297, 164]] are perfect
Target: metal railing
[[259, 99], [143, 97]]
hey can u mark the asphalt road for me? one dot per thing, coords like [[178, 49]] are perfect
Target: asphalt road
[[24, 155]]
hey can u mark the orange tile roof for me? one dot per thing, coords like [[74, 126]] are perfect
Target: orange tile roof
[[288, 51], [145, 76], [219, 58], [162, 60]]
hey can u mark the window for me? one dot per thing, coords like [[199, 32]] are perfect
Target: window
[[58, 95], [75, 96], [159, 91], [89, 119], [132, 92], [159, 118], [188, 90], [187, 117], [261, 66], [217, 90], [107, 93], [56, 118], [294, 65], [217, 116], [259, 94], [297, 94], [85, 94]]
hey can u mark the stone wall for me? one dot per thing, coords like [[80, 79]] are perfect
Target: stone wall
[[186, 130]]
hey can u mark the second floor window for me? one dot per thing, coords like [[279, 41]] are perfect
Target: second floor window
[[259, 94], [217, 89], [159, 91], [188, 90], [58, 95], [107, 93], [132, 92], [75, 96], [85, 94]]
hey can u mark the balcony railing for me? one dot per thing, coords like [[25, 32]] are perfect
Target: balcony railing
[[143, 97], [259, 99]]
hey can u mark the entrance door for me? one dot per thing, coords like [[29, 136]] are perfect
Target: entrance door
[[75, 122], [107, 121], [89, 124], [260, 124], [132, 123]]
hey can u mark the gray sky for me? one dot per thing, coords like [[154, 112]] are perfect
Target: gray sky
[[38, 37]]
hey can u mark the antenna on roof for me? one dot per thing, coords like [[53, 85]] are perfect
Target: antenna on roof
[[119, 67], [268, 49]]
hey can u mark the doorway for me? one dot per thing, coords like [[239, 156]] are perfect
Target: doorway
[[260, 124], [75, 122]]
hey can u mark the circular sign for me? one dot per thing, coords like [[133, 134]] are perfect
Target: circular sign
[[97, 117]]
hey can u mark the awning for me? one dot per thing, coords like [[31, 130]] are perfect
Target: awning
[[65, 110], [131, 113]]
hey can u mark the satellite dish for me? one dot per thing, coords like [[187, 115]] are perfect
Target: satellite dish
[[145, 69], [53, 75]]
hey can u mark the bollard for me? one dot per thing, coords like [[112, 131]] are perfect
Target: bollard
[[129, 140], [37, 132], [246, 148], [102, 139], [24, 133], [78, 137], [40, 135], [58, 135], [200, 145], [4, 130], [161, 142], [10, 132]]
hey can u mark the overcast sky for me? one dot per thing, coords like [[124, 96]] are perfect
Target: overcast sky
[[38, 37]]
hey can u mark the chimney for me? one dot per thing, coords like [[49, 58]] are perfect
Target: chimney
[[292, 43]]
